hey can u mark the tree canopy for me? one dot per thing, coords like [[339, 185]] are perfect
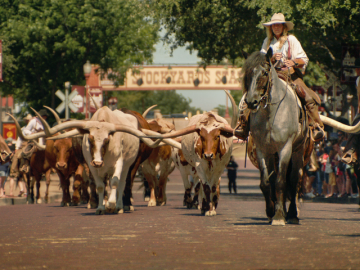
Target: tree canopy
[[220, 29], [46, 43]]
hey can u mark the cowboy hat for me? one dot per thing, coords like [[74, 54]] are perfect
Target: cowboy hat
[[43, 112], [279, 18], [28, 117]]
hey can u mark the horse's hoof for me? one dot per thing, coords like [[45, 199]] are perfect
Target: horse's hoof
[[74, 204], [88, 206], [132, 209], [294, 220], [202, 212], [100, 212], [146, 199], [269, 219], [38, 201], [151, 203], [189, 206], [126, 207], [119, 210], [83, 202], [278, 222], [46, 199]]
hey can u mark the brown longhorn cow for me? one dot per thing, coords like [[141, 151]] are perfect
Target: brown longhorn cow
[[159, 165]]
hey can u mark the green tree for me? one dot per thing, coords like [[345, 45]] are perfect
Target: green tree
[[47, 42], [220, 29]]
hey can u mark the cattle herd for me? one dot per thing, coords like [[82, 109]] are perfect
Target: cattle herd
[[104, 154]]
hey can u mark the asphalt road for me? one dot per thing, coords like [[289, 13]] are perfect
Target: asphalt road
[[172, 237]]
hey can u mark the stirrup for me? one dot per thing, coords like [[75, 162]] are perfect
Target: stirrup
[[241, 132], [350, 157], [318, 133]]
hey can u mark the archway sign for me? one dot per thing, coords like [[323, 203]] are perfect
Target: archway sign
[[174, 78]]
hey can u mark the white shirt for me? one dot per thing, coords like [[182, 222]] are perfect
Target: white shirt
[[32, 127], [296, 50], [357, 81]]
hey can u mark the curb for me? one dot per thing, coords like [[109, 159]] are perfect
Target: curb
[[22, 200]]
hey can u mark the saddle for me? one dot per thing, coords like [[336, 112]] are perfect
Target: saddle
[[297, 88]]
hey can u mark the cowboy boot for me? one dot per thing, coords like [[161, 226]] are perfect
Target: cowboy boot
[[242, 128], [318, 128]]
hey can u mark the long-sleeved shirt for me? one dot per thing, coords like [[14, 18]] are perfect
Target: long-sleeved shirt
[[296, 50], [32, 127]]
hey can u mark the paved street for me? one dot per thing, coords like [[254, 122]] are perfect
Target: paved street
[[173, 237]]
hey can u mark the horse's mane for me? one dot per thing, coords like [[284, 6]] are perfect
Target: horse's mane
[[254, 60]]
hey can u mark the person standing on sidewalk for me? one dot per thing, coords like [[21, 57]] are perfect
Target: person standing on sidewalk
[[232, 167]]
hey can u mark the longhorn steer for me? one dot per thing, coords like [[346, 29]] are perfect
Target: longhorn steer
[[185, 170], [159, 164], [110, 148], [207, 146]]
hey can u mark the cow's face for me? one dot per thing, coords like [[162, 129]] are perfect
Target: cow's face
[[99, 139], [62, 150], [209, 142]]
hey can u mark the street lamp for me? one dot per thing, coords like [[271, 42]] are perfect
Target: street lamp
[[87, 71]]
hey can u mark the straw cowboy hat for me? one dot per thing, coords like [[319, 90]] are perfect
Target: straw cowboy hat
[[279, 18], [28, 117]]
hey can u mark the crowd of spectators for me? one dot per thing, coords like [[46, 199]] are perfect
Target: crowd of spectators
[[326, 175]]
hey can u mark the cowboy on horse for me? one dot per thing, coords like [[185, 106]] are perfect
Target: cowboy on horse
[[290, 61]]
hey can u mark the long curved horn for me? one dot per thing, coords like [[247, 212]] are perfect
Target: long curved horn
[[234, 109], [51, 131], [335, 124], [69, 134], [138, 133], [177, 133], [39, 146], [171, 142], [58, 120], [26, 137], [93, 100], [148, 110]]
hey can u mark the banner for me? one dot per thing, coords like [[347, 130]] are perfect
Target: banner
[[78, 100], [9, 130]]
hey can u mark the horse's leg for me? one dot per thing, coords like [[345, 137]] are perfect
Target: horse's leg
[[293, 177], [266, 169], [280, 185]]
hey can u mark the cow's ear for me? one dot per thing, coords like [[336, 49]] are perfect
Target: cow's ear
[[222, 148], [269, 54], [198, 147]]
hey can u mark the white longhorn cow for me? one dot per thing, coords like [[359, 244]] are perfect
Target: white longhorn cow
[[110, 146]]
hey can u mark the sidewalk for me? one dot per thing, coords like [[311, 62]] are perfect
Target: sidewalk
[[55, 192]]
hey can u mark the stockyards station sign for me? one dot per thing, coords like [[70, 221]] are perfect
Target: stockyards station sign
[[174, 78]]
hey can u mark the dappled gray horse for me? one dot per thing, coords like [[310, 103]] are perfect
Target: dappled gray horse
[[279, 135]]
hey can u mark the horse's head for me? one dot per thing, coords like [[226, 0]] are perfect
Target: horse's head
[[256, 78]]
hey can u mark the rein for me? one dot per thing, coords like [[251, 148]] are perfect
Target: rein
[[266, 96]]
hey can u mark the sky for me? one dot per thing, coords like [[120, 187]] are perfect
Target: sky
[[182, 56]]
